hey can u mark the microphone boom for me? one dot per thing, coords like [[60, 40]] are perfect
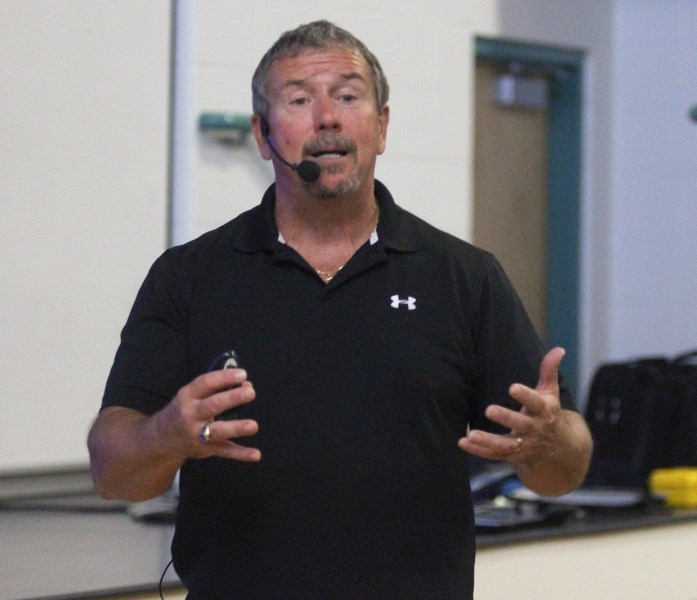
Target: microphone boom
[[307, 170]]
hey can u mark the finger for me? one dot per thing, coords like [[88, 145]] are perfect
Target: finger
[[549, 371], [216, 381], [220, 436], [225, 431], [548, 384], [511, 419], [531, 400], [219, 402], [490, 445], [241, 453], [229, 430], [233, 451]]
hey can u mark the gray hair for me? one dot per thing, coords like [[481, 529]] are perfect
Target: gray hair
[[318, 35]]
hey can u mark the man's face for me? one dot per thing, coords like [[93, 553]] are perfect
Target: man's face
[[323, 108]]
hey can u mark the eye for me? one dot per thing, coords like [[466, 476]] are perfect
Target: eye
[[297, 98], [347, 97]]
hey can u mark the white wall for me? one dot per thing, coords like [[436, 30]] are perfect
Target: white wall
[[653, 277], [83, 159]]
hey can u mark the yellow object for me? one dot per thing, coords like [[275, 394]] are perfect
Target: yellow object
[[678, 484]]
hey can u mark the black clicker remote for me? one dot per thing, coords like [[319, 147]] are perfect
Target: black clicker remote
[[227, 360]]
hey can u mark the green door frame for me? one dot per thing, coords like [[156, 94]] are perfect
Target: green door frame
[[564, 186]]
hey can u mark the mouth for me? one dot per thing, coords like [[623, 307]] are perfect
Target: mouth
[[331, 147], [329, 154]]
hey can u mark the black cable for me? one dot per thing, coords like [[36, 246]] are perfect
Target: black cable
[[162, 578]]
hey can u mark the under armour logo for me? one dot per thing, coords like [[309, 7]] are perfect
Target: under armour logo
[[410, 302]]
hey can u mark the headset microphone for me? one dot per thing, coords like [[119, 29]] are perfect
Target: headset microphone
[[307, 170]]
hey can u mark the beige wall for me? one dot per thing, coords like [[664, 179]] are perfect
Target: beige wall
[[84, 143], [427, 51], [83, 149]]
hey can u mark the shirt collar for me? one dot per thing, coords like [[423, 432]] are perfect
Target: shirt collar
[[256, 229]]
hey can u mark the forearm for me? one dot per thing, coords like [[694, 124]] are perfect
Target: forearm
[[128, 458], [564, 467]]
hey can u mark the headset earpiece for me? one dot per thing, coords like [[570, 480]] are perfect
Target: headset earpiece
[[264, 125]]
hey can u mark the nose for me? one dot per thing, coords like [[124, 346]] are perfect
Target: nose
[[326, 115]]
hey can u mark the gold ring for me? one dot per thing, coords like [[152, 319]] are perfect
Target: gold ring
[[205, 434], [519, 442]]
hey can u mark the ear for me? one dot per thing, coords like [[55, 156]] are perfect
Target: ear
[[259, 131], [383, 122]]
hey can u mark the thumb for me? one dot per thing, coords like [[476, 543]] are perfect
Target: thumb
[[549, 371]]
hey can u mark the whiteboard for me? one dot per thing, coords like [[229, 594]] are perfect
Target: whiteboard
[[83, 191]]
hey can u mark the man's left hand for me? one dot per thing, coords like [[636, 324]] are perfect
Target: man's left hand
[[548, 447]]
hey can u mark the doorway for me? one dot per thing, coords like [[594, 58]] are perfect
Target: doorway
[[527, 185]]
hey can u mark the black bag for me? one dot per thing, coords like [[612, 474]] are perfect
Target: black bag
[[677, 396], [619, 414], [643, 416]]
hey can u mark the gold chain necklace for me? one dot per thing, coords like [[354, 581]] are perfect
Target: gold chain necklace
[[327, 276]]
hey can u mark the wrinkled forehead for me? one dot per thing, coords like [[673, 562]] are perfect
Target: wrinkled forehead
[[314, 64]]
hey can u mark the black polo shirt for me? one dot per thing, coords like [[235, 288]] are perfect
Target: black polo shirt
[[364, 385]]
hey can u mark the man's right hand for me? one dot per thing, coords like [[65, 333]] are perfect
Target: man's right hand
[[196, 406], [136, 457]]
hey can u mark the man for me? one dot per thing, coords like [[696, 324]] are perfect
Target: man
[[370, 342]]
